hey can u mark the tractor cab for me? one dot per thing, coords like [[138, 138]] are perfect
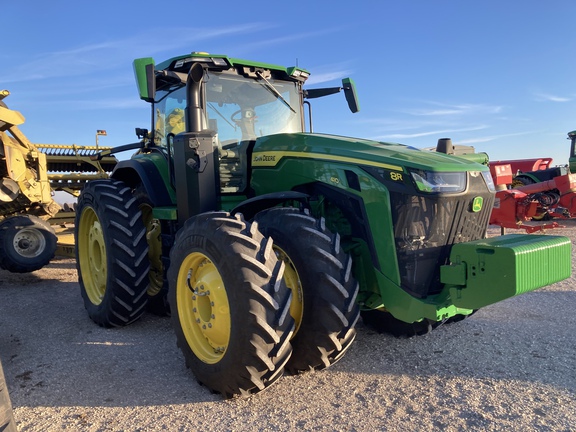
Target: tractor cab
[[236, 105], [228, 102]]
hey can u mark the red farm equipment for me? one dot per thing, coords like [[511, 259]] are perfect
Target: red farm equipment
[[534, 190], [516, 202], [527, 190]]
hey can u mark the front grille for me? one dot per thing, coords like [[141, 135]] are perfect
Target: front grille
[[425, 227]]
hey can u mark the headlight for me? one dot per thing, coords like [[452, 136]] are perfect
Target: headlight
[[433, 181], [489, 180]]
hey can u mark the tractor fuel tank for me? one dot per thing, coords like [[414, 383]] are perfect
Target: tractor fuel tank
[[486, 271]]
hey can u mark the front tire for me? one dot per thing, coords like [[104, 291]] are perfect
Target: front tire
[[111, 253], [27, 243], [320, 274], [229, 305]]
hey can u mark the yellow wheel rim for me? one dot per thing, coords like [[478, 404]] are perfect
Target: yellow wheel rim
[[92, 255], [292, 280], [154, 240], [203, 308]]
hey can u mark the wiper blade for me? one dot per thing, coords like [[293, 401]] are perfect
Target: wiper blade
[[275, 92]]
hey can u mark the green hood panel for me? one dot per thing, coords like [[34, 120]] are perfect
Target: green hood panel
[[270, 150]]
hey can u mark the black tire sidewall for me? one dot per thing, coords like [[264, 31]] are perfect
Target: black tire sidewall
[[120, 285], [317, 258], [12, 260], [231, 374], [239, 337], [158, 302]]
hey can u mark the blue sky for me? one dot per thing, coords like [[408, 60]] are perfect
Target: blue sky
[[498, 75]]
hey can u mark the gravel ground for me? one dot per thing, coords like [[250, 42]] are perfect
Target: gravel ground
[[511, 366]]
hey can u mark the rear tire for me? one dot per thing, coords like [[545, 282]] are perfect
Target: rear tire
[[229, 304], [321, 279], [158, 288], [27, 243], [111, 253]]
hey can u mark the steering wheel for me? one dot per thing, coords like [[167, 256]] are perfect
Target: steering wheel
[[248, 115]]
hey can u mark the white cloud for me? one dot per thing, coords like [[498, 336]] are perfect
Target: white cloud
[[335, 75], [100, 56], [494, 137], [309, 37], [432, 132], [546, 97], [443, 109]]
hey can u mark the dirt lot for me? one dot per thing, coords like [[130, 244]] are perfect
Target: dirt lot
[[512, 366]]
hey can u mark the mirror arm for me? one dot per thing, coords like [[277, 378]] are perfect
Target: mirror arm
[[321, 92]]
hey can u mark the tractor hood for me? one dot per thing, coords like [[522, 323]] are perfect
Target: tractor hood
[[272, 149]]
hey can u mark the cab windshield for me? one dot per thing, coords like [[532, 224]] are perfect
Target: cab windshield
[[238, 108], [241, 108]]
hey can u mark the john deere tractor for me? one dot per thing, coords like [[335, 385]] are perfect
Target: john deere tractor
[[266, 242]]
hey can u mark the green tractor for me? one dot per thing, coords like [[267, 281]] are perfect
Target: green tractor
[[572, 157], [266, 242]]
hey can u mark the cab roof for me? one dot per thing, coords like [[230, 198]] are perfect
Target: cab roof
[[225, 62]]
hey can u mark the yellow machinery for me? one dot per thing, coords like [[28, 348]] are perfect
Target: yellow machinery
[[29, 176], [70, 166]]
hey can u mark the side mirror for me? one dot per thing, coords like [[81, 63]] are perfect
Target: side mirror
[[145, 78], [350, 94]]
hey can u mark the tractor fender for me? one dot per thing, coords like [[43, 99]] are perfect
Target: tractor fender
[[251, 206], [354, 210], [143, 171]]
